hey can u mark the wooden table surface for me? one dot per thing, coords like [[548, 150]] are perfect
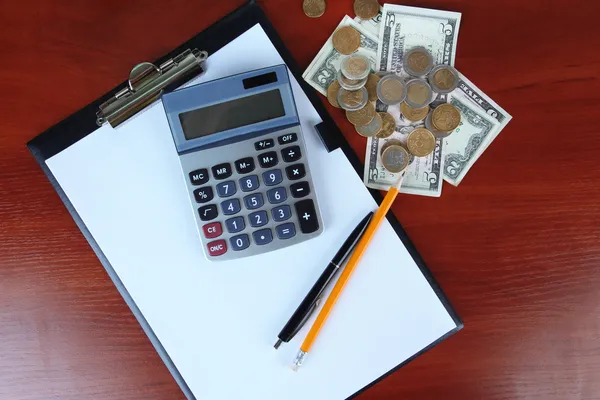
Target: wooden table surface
[[515, 246]]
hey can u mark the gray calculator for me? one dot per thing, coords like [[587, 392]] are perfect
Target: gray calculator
[[243, 157]]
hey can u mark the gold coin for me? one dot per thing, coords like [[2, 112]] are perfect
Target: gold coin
[[391, 142], [332, 93], [444, 79], [389, 125], [372, 128], [414, 114], [417, 93], [371, 86], [352, 98], [366, 9], [445, 118], [346, 40], [418, 61], [420, 142], [363, 116], [395, 158], [313, 8]]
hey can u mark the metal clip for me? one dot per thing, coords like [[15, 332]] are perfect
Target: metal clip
[[146, 83]]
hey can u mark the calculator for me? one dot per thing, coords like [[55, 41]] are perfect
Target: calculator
[[245, 165]]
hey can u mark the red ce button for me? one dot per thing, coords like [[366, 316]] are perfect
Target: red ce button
[[212, 230]]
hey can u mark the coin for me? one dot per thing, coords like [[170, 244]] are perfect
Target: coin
[[391, 142], [332, 93], [417, 61], [389, 125], [351, 100], [443, 79], [362, 116], [391, 90], [346, 40], [313, 8], [395, 158], [356, 66], [350, 84], [445, 118], [366, 9], [413, 114], [418, 93], [432, 129], [371, 86], [420, 142], [372, 128]]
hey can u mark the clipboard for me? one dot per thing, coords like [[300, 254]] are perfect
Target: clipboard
[[84, 122]]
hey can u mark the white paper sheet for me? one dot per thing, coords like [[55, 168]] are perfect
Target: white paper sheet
[[219, 321]]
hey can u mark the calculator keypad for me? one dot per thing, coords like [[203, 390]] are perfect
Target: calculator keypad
[[254, 196]]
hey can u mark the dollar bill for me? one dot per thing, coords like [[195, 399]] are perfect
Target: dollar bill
[[423, 176], [324, 67], [482, 120], [403, 28], [371, 25]]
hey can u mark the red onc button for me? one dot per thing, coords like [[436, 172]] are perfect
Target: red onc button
[[212, 230], [217, 248]]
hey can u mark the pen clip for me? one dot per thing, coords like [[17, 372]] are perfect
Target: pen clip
[[307, 315]]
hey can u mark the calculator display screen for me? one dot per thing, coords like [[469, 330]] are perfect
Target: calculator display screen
[[232, 114]]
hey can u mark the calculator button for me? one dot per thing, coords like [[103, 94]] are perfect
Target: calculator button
[[300, 189], [291, 154], [307, 215], [204, 194], [268, 159], [226, 189], [258, 218], [235, 224], [295, 171], [272, 177], [277, 195], [289, 138], [199, 176], [249, 183], [264, 236], [281, 213], [212, 230], [239, 242], [217, 248], [264, 144], [208, 212], [286, 231], [254, 201], [231, 206], [222, 171], [244, 165]]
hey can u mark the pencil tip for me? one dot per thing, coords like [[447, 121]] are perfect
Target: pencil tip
[[298, 360], [277, 344]]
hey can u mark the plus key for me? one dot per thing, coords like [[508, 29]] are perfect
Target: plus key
[[305, 209]]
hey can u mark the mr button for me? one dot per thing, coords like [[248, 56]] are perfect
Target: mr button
[[217, 248]]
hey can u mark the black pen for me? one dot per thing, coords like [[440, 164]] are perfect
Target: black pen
[[313, 298]]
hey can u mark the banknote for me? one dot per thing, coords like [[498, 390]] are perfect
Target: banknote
[[403, 28], [481, 122], [371, 25], [323, 69], [423, 176]]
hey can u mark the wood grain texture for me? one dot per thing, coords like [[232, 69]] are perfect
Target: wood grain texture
[[515, 247]]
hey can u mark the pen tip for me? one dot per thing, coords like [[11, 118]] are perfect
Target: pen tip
[[277, 344]]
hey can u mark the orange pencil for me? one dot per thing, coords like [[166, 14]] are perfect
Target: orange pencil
[[362, 245]]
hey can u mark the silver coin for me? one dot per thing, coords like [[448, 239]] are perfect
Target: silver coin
[[418, 93], [395, 158], [352, 100], [436, 133], [391, 90], [443, 79], [350, 84], [372, 128], [417, 61], [356, 67]]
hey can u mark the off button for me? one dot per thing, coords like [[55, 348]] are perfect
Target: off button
[[217, 248]]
